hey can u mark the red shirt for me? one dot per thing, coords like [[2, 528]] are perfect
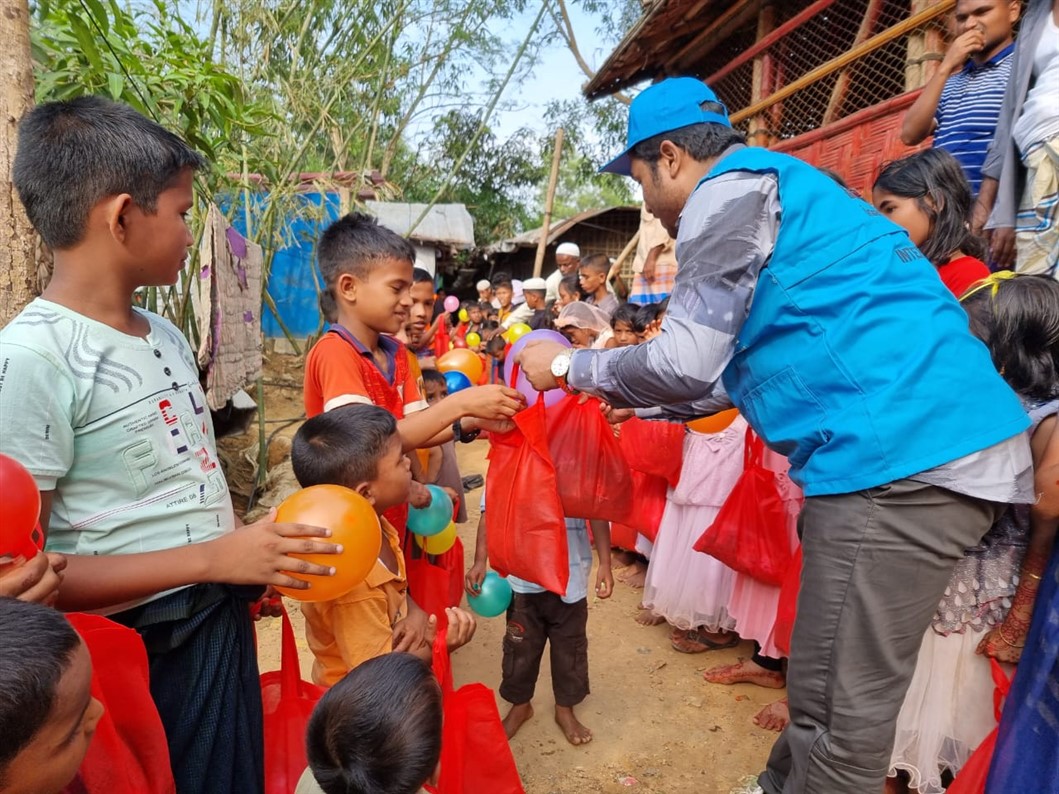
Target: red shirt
[[960, 274]]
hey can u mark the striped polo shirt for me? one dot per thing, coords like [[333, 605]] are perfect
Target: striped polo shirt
[[968, 111]]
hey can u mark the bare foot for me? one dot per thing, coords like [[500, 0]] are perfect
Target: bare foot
[[518, 714], [646, 617], [620, 558], [774, 717], [745, 672], [700, 640], [634, 576], [575, 732]]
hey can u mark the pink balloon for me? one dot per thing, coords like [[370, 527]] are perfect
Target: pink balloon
[[522, 384], [452, 303]]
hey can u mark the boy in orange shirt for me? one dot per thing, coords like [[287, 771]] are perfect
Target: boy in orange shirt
[[358, 446]]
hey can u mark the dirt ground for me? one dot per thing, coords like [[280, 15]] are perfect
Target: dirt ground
[[658, 727]]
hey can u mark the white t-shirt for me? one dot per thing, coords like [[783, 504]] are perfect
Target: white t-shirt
[[1040, 112], [117, 426]]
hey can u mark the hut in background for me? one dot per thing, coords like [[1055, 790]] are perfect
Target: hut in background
[[828, 81]]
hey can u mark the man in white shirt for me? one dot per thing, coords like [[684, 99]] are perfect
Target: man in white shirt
[[567, 257]]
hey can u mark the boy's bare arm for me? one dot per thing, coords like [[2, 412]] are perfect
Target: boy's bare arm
[[601, 539], [255, 554], [472, 582], [481, 405]]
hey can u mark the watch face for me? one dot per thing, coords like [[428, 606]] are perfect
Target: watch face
[[561, 365]]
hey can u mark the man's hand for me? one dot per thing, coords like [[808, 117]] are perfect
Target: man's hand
[[411, 632], [617, 415], [1002, 246], [270, 605], [963, 47], [536, 363], [36, 580], [488, 425]]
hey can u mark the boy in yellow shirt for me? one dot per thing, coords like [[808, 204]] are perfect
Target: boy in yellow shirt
[[358, 446]]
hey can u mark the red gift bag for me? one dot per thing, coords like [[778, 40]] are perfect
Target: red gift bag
[[129, 753], [436, 583], [787, 608], [750, 532], [654, 447], [526, 530], [287, 702], [475, 754], [972, 775], [593, 478], [648, 505]]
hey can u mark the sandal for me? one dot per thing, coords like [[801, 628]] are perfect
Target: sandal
[[694, 637]]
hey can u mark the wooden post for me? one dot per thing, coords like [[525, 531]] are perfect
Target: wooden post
[[761, 133], [549, 199], [18, 241], [838, 93]]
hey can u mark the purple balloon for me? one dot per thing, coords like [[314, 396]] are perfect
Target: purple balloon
[[452, 303], [522, 384]]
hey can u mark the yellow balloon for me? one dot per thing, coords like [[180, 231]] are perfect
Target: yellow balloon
[[463, 315], [439, 543], [353, 523], [516, 332], [473, 339], [715, 423]]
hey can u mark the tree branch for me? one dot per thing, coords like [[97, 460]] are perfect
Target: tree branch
[[566, 30]]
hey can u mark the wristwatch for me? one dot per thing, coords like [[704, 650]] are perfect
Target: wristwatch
[[561, 368], [464, 438]]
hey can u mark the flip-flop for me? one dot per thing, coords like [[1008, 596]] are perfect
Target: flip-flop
[[700, 638]]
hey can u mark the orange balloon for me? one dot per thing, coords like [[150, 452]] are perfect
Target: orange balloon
[[462, 360], [439, 543], [353, 523], [715, 423]]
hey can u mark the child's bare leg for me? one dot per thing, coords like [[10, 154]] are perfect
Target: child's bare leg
[[575, 732], [516, 716], [634, 576]]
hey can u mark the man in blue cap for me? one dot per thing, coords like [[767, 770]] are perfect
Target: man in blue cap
[[824, 325]]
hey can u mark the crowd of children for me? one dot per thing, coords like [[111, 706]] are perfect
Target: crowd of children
[[102, 403]]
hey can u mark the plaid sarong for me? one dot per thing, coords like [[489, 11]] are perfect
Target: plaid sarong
[[205, 681]]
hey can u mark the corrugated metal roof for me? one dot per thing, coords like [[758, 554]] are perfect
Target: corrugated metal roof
[[444, 223], [556, 230]]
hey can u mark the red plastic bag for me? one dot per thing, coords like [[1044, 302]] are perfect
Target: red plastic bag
[[654, 447], [750, 532], [787, 608], [593, 478], [287, 702], [129, 753], [436, 583], [475, 754], [648, 503], [526, 530], [973, 774]]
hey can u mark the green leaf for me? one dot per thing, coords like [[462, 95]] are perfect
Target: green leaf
[[87, 42], [115, 85], [99, 14]]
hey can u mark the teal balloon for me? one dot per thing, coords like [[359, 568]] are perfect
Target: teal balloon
[[433, 518], [456, 381], [494, 598]]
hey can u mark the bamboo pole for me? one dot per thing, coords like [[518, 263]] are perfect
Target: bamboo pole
[[760, 133], [549, 201], [848, 57]]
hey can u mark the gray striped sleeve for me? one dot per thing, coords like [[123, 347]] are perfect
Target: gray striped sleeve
[[727, 232]]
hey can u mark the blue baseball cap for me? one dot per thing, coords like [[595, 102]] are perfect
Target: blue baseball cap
[[663, 107]]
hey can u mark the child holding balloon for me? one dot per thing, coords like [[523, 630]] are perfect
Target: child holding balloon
[[537, 617], [359, 447]]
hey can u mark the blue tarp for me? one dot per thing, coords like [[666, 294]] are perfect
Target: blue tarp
[[294, 278]]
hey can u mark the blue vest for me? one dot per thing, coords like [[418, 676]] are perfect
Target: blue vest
[[855, 361]]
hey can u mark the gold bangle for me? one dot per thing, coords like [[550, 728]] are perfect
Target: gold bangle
[[1032, 576], [1000, 631]]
